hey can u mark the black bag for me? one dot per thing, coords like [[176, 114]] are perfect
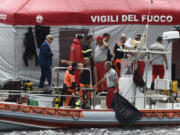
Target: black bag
[[152, 86], [12, 85], [138, 79], [125, 112]]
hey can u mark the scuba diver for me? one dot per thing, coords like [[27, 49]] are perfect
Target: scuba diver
[[69, 86]]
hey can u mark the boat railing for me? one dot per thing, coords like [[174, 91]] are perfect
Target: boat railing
[[156, 97], [55, 69], [149, 97], [143, 51], [21, 91], [5, 93], [58, 87], [27, 94], [100, 94]]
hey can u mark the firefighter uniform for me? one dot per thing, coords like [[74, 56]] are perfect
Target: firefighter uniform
[[76, 55], [69, 85]]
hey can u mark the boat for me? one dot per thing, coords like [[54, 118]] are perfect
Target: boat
[[45, 115], [35, 110], [22, 117]]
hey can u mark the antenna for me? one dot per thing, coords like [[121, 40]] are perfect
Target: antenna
[[145, 33]]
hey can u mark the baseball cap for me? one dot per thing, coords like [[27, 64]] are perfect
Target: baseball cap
[[99, 37]]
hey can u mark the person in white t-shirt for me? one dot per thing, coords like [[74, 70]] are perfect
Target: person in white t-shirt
[[158, 60], [112, 83], [100, 58], [106, 39], [141, 63]]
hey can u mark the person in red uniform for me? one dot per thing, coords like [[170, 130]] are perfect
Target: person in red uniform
[[76, 55], [158, 60], [136, 45], [141, 63], [100, 59], [112, 83]]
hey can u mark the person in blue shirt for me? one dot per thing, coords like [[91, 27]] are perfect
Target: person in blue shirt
[[45, 61]]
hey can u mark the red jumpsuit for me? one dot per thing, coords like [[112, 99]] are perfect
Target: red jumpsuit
[[101, 73], [76, 55]]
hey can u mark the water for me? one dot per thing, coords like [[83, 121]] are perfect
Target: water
[[103, 131]]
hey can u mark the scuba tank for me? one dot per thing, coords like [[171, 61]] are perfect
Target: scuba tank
[[174, 89], [77, 100], [174, 86], [78, 104], [56, 103], [27, 85]]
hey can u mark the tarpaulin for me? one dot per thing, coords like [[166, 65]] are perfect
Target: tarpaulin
[[11, 43], [125, 112], [89, 12]]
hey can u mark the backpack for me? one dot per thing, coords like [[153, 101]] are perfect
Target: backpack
[[138, 80]]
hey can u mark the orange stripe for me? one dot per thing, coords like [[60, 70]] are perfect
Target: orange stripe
[[79, 112]]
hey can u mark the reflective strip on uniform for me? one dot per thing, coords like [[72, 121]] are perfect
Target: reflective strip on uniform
[[86, 51]]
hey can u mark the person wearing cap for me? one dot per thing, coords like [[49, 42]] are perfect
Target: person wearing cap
[[100, 58], [45, 61]]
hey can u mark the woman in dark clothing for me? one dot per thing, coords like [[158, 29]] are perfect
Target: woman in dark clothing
[[85, 80], [119, 55]]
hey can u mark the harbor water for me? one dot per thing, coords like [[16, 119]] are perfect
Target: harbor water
[[102, 131]]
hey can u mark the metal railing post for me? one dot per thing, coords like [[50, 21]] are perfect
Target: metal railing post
[[65, 68]]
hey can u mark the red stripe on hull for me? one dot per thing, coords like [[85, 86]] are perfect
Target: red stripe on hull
[[79, 112], [48, 124]]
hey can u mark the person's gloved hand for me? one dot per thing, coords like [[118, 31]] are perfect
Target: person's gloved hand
[[77, 88]]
